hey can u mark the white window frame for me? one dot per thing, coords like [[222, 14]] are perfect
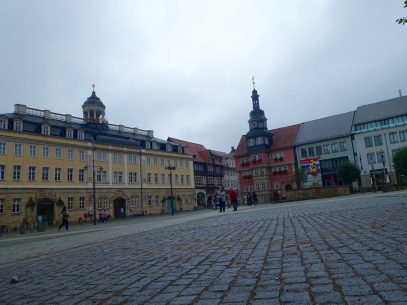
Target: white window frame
[[16, 207], [18, 125], [45, 129]]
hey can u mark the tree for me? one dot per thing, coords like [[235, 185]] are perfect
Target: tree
[[402, 20], [300, 177], [400, 161], [348, 172]]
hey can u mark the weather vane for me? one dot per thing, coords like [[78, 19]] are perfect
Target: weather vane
[[93, 86], [253, 82]]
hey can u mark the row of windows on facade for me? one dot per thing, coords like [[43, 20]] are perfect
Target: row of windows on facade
[[262, 171], [203, 181], [274, 156], [101, 156], [257, 141], [102, 203], [216, 170], [326, 149], [101, 176], [401, 120], [80, 134], [393, 138]]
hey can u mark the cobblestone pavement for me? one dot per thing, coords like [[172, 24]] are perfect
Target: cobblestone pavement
[[338, 251]]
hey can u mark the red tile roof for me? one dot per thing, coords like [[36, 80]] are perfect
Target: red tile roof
[[199, 152], [284, 137]]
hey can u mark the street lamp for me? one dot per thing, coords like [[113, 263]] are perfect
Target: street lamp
[[94, 183], [171, 168]]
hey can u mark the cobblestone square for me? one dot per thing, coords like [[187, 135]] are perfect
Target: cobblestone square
[[347, 250]]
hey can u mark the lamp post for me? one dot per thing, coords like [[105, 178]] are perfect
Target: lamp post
[[171, 168], [94, 182]]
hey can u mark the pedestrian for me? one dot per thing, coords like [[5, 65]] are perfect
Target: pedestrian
[[222, 199], [254, 198], [65, 217], [209, 203], [233, 198], [121, 212], [249, 199]]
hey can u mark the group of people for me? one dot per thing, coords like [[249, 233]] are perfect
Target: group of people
[[251, 198], [103, 216], [220, 198]]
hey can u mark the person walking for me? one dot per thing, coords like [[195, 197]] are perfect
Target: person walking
[[254, 198], [65, 217], [233, 198], [222, 199]]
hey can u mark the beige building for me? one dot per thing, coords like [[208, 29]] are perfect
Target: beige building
[[48, 160]]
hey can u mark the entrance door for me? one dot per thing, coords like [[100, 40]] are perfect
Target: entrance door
[[200, 198], [47, 211], [119, 208], [171, 208]]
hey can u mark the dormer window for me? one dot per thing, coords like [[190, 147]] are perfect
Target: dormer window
[[18, 125], [3, 123], [180, 149], [69, 133], [81, 135], [168, 147], [148, 145], [46, 129]]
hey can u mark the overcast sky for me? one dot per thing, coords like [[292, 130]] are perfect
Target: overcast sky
[[184, 68]]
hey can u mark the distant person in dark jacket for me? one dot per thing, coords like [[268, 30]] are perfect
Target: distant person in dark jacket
[[65, 217]]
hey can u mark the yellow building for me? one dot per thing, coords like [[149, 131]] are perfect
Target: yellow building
[[48, 160]]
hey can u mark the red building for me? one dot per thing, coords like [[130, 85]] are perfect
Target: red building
[[265, 159]]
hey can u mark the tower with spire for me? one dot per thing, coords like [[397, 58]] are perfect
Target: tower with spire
[[259, 138]]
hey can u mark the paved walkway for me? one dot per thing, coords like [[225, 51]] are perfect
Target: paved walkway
[[348, 250]]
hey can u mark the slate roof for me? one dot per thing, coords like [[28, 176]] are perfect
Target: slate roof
[[94, 100], [381, 110], [331, 127]]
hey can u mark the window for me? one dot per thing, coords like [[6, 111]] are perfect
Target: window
[[69, 155], [18, 125], [70, 174], [117, 177], [156, 199], [81, 155], [156, 178], [186, 164], [132, 177], [117, 158], [148, 145], [342, 146], [311, 152], [259, 140], [70, 203], [81, 135], [148, 178], [148, 161], [155, 162], [45, 173], [303, 153], [380, 156], [368, 142], [82, 203], [334, 147], [187, 178], [16, 205], [3, 123], [318, 150], [58, 174], [31, 173], [81, 175], [69, 133], [1, 206], [2, 172], [371, 158], [162, 178], [403, 136], [46, 130], [101, 176], [327, 150], [45, 152], [3, 148], [18, 149], [378, 140], [149, 201], [101, 156], [132, 159], [58, 153], [251, 142], [182, 179], [33, 150], [393, 137], [176, 179], [162, 163], [16, 172]]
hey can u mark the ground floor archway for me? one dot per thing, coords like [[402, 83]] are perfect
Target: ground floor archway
[[46, 211], [119, 205]]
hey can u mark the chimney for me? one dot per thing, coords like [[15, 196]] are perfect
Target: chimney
[[401, 95]]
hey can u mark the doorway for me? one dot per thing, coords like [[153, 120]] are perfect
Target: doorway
[[46, 210], [119, 208]]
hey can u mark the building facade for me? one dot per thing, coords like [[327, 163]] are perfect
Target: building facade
[[325, 143], [48, 160], [379, 130]]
